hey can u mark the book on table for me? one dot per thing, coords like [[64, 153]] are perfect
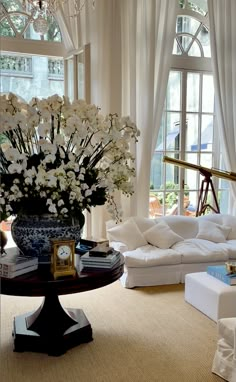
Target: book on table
[[220, 272], [100, 262], [14, 263], [86, 245], [101, 251]]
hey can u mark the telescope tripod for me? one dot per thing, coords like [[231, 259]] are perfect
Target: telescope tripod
[[203, 194]]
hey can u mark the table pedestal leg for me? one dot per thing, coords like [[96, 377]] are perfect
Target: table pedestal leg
[[51, 329]]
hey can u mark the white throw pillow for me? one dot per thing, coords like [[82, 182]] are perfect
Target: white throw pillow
[[210, 231], [127, 233], [161, 235]]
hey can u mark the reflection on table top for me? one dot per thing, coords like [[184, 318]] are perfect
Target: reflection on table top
[[40, 282]]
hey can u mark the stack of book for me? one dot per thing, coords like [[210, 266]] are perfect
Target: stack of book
[[220, 273], [100, 257], [13, 263], [86, 245]]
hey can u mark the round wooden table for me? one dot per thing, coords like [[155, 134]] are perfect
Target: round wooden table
[[51, 328]]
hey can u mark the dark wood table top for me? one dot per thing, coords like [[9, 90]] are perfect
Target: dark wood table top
[[39, 282]]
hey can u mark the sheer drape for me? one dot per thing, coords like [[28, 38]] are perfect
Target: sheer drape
[[131, 45], [148, 29], [105, 77], [71, 27], [223, 46]]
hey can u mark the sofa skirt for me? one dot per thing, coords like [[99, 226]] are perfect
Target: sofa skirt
[[160, 274]]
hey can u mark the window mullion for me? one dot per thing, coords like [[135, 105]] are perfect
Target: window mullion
[[183, 139]]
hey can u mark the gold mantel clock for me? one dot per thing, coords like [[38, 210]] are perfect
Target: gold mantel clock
[[63, 258]]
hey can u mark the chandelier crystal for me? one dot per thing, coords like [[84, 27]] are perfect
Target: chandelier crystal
[[40, 25], [44, 8]]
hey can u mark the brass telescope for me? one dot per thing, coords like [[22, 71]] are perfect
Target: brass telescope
[[206, 182], [203, 170]]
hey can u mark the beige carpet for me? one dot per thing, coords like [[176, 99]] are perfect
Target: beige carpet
[[140, 335]]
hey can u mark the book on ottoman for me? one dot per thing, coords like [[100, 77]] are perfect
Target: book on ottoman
[[220, 272]]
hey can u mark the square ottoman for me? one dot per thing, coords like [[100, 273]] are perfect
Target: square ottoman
[[211, 296]]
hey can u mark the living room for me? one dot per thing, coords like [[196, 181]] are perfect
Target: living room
[[156, 62]]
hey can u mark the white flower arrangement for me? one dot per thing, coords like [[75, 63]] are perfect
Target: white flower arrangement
[[61, 157]]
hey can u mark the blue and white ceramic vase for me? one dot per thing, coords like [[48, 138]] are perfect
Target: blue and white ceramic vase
[[32, 234]]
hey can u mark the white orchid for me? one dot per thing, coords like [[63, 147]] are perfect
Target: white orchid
[[61, 158]]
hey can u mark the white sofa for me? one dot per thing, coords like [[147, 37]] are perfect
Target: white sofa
[[163, 250]]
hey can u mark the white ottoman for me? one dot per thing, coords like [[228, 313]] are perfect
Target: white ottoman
[[210, 295]]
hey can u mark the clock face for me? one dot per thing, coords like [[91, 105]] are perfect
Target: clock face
[[63, 252]]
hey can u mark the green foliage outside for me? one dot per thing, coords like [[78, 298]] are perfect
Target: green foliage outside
[[171, 196]]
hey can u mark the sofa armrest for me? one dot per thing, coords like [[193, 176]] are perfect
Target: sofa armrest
[[118, 246]]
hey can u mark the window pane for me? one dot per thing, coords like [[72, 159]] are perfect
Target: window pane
[[29, 76], [160, 144], [191, 176], [193, 201], [208, 94], [81, 74], [204, 39], [19, 22], [172, 131], [185, 42], [71, 79], [206, 160], [193, 80], [172, 173], [192, 136], [223, 198], [6, 29], [173, 91], [194, 51], [176, 49], [187, 24], [12, 5], [156, 171], [207, 133]]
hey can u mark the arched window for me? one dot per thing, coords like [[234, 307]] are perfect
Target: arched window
[[32, 52], [25, 19], [187, 130]]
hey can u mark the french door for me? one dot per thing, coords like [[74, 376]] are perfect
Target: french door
[[187, 133]]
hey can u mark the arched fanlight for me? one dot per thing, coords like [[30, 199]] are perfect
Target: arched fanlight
[[47, 7]]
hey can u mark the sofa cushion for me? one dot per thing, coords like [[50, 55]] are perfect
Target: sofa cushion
[[230, 221], [143, 223], [230, 245], [201, 251], [211, 231], [215, 218], [149, 256], [127, 233], [161, 235], [184, 226]]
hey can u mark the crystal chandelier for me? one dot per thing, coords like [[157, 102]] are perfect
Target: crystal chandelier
[[45, 8]]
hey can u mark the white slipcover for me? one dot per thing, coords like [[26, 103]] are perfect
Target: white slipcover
[[224, 363]]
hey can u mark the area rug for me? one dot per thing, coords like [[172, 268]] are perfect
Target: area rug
[[140, 335]]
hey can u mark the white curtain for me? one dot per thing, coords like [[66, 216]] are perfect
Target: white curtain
[[148, 29], [74, 27], [223, 47], [131, 45], [103, 34]]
